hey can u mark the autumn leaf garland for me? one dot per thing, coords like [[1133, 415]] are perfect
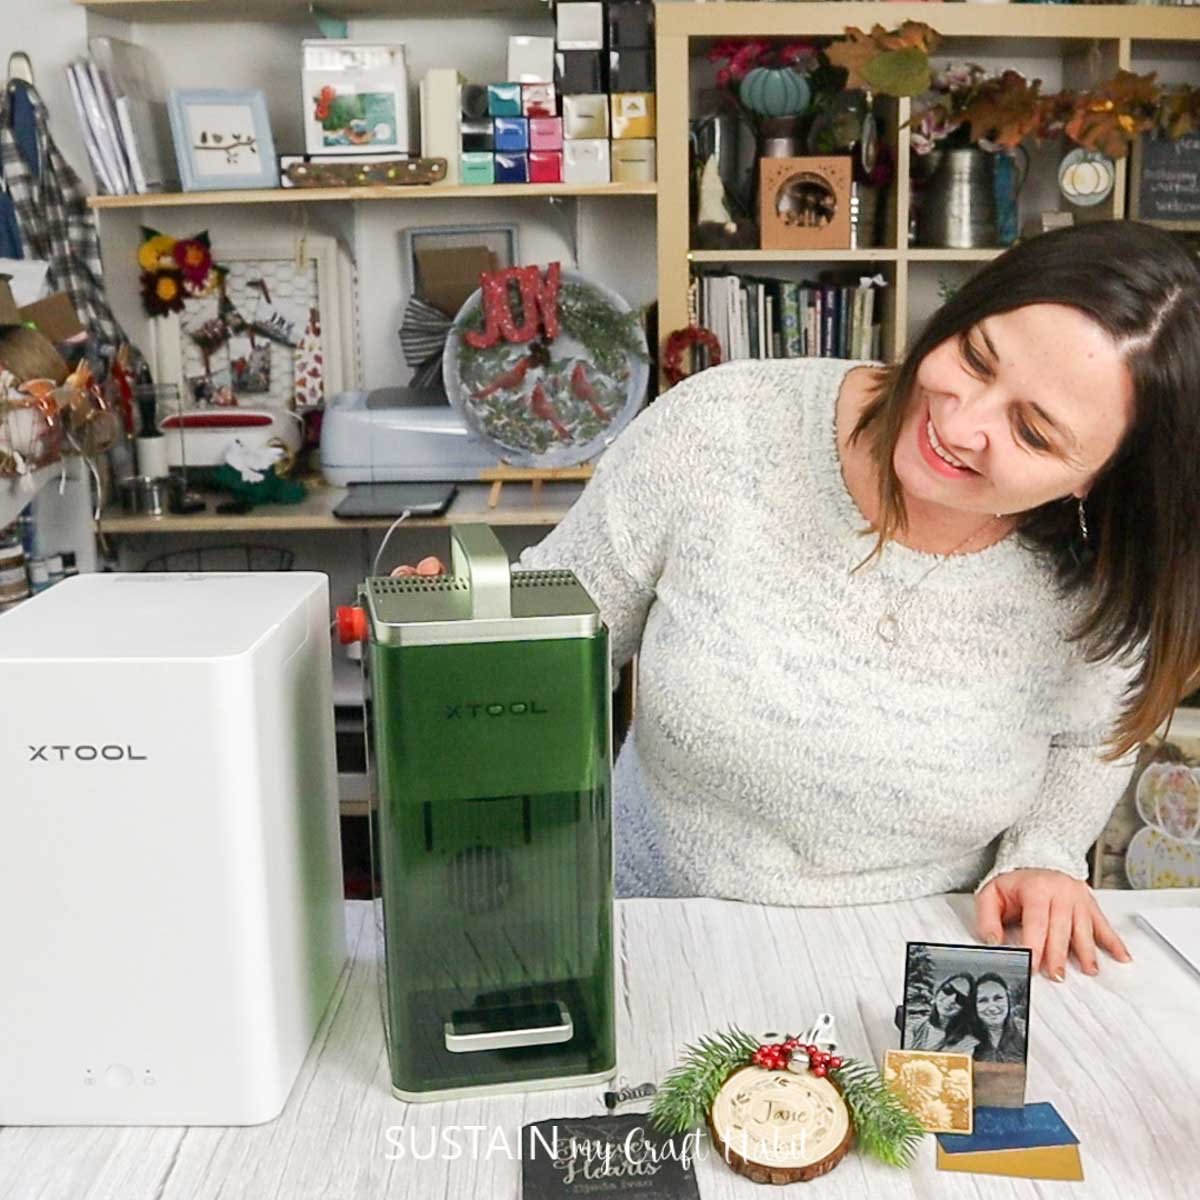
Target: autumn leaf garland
[[1005, 109]]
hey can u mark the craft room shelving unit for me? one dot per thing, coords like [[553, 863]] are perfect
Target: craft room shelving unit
[[1064, 45], [120, 218]]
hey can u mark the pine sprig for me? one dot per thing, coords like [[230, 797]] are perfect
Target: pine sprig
[[886, 1128], [687, 1092]]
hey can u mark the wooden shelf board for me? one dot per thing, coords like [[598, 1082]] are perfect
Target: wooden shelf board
[[929, 254], [769, 256], [315, 512], [680, 18], [256, 10], [371, 192]]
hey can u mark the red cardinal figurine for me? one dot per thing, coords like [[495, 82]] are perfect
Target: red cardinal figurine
[[541, 407], [511, 378], [582, 387]]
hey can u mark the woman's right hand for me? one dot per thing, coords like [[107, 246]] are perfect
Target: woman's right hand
[[432, 565]]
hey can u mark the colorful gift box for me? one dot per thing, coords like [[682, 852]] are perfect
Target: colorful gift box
[[539, 100], [531, 59], [580, 72], [585, 117], [586, 161], [477, 166], [545, 133], [473, 101], [512, 168], [504, 99], [510, 134], [632, 114], [545, 166], [476, 135], [580, 26], [631, 70], [630, 24], [634, 160]]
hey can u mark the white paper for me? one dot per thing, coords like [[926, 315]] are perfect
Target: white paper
[[76, 74], [137, 87], [27, 279], [1179, 927]]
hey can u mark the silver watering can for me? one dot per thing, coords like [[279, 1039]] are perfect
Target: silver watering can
[[959, 205]]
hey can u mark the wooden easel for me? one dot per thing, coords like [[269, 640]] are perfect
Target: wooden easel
[[499, 476]]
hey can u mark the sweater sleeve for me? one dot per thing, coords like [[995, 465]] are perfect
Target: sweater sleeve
[[617, 535], [1079, 789]]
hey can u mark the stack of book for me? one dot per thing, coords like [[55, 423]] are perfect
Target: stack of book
[[778, 318], [123, 117]]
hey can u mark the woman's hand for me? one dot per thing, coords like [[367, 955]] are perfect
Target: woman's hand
[[1057, 914], [427, 566]]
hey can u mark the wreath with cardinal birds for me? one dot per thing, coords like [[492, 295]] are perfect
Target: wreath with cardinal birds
[[546, 367]]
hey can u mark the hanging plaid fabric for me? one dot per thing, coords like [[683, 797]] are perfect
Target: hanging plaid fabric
[[51, 206]]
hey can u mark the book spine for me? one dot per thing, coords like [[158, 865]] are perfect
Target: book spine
[[828, 320], [790, 322]]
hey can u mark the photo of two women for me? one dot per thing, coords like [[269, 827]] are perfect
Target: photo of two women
[[967, 1000]]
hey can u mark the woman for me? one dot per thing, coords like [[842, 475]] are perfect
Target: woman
[[954, 700], [949, 1026], [1000, 1032]]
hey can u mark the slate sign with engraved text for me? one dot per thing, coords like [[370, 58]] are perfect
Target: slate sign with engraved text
[[1167, 179]]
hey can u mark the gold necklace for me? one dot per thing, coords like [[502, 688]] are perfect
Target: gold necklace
[[888, 627]]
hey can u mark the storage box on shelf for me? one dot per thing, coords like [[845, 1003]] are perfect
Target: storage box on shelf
[[1066, 46]]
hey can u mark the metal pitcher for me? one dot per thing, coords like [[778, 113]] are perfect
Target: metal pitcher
[[958, 208]]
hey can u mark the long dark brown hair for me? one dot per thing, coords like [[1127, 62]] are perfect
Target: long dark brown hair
[[1139, 570]]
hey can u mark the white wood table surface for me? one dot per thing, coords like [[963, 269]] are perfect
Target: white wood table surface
[[1118, 1055]]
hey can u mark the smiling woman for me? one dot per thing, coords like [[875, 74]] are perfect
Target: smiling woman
[[1059, 391], [819, 722]]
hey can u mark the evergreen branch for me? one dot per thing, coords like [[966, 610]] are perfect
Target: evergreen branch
[[885, 1126], [689, 1089]]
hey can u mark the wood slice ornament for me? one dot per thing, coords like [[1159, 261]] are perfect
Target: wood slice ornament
[[780, 1126], [785, 1111]]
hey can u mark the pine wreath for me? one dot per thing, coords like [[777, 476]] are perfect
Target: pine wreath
[[550, 401]]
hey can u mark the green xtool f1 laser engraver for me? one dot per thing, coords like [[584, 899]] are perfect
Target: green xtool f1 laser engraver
[[489, 727]]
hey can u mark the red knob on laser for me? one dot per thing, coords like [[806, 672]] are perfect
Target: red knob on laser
[[351, 624]]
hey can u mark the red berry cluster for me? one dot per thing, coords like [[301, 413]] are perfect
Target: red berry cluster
[[777, 1055]]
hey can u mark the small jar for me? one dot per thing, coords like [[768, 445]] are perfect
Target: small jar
[[39, 575]]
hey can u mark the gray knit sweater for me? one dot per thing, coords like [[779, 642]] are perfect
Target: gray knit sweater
[[781, 751]]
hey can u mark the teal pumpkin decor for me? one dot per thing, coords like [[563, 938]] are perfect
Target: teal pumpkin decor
[[775, 91]]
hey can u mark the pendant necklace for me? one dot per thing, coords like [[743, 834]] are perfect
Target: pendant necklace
[[888, 627]]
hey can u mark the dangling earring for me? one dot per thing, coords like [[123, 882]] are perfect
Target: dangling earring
[[1083, 526]]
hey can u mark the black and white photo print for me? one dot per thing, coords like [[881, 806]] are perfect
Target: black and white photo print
[[971, 1000]]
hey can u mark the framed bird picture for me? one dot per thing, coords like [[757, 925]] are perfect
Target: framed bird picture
[[222, 138], [274, 329]]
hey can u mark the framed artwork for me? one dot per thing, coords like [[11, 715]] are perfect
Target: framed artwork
[[355, 97], [280, 335], [443, 262], [222, 139]]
